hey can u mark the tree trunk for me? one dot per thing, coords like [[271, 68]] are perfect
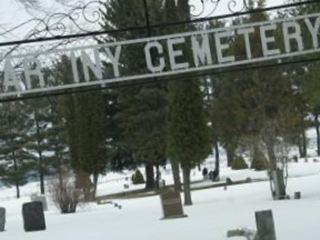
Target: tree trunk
[[187, 187], [83, 182], [300, 147], [41, 173], [230, 156], [18, 190], [302, 137], [149, 176], [60, 174], [176, 175], [272, 156], [15, 165], [217, 159], [304, 144], [95, 184], [157, 177], [318, 132], [277, 176]]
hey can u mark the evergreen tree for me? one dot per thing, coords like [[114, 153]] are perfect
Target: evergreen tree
[[38, 144], [17, 161], [84, 116], [58, 158], [257, 104], [141, 109], [306, 80], [187, 130]]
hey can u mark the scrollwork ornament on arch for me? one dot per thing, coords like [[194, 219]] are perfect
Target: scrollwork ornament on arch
[[203, 8], [81, 17], [206, 8], [235, 6]]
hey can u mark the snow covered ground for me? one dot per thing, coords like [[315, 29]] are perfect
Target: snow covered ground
[[215, 211]]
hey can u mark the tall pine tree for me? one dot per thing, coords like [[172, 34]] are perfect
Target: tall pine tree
[[142, 108], [15, 124], [187, 130]]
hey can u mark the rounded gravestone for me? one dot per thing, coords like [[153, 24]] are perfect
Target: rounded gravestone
[[33, 217], [2, 219]]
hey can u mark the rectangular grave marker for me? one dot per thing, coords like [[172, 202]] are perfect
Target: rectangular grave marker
[[172, 205], [33, 217], [265, 225], [2, 219]]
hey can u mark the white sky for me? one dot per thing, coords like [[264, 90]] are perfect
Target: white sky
[[12, 13]]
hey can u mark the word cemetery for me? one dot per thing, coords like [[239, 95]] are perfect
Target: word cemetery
[[163, 55]]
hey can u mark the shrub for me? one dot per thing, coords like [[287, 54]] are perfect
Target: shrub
[[259, 162], [137, 178], [65, 195], [239, 163]]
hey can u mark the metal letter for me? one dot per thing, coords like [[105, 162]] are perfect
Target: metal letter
[[147, 51], [296, 35], [10, 78], [221, 47], [314, 30], [173, 54], [202, 51], [88, 64], [246, 34], [32, 67], [74, 66], [266, 40], [115, 58]]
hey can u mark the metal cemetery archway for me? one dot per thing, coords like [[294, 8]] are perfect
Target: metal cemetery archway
[[22, 61]]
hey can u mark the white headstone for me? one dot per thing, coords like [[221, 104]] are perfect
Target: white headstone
[[42, 199]]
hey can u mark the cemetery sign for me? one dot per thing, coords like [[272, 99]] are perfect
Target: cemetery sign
[[162, 56]]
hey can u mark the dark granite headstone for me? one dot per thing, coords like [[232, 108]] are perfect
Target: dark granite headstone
[[249, 180], [297, 195], [214, 175], [265, 225], [229, 181], [33, 217], [171, 204], [2, 219]]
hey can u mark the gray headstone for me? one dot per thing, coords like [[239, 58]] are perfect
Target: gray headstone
[[42, 199], [265, 225], [229, 181], [297, 195], [2, 219], [172, 204], [33, 217]]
